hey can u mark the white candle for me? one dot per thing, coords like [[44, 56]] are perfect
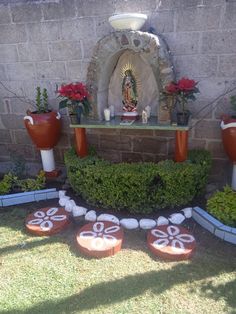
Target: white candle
[[107, 114]]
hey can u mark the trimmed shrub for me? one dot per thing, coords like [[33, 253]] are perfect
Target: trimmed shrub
[[222, 205], [137, 187]]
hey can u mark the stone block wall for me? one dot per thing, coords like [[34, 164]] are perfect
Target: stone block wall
[[44, 43]]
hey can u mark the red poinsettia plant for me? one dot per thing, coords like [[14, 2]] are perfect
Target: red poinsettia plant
[[182, 91], [75, 97]]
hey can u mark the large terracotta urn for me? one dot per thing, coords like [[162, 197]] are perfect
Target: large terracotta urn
[[44, 130], [228, 131]]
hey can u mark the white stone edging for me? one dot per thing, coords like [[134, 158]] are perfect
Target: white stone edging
[[127, 223]]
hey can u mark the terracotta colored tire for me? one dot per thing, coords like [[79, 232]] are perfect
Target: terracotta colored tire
[[100, 239], [46, 130], [229, 142], [47, 221], [171, 242]]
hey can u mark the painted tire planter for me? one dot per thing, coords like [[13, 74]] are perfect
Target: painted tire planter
[[44, 128], [171, 242], [228, 132], [47, 221], [100, 239]]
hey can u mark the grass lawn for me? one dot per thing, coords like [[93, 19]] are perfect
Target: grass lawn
[[48, 275]]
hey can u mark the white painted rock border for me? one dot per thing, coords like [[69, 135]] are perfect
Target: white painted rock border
[[127, 223]]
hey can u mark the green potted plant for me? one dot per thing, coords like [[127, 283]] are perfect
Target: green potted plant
[[182, 91], [44, 128], [75, 97]]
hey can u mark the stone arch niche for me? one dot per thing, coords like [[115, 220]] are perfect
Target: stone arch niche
[[154, 57]]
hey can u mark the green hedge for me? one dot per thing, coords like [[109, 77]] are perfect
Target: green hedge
[[138, 187], [222, 205]]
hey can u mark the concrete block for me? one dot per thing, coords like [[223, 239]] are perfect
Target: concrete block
[[225, 228], [94, 7], [21, 137], [51, 70], [212, 87], [88, 47], [170, 4], [27, 198], [40, 197], [203, 222], [65, 50], [51, 195], [227, 66], [182, 43], [162, 21], [25, 150], [5, 136], [12, 33], [219, 233], [41, 32], [20, 71], [78, 29], [216, 149], [77, 70], [3, 75], [62, 9], [198, 18], [8, 53], [102, 26], [33, 52], [209, 129], [149, 145], [11, 121], [219, 42], [198, 66], [230, 237], [16, 86], [229, 20], [138, 6], [30, 12], [4, 14]]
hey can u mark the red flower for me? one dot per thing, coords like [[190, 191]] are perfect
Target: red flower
[[172, 88], [186, 84]]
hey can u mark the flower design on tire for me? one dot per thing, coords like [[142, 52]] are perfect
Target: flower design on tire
[[100, 239], [47, 221], [171, 242]]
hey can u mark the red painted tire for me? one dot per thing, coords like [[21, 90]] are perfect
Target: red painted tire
[[171, 242], [47, 221], [100, 239]]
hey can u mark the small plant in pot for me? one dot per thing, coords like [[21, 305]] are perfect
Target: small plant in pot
[[182, 91], [44, 128], [75, 97]]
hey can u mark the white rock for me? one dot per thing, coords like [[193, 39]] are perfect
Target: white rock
[[187, 212], [147, 223], [63, 200], [108, 217], [129, 223], [176, 218], [91, 216], [78, 211], [69, 205], [161, 221], [62, 193]]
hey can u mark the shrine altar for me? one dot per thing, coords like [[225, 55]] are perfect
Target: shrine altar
[[181, 133]]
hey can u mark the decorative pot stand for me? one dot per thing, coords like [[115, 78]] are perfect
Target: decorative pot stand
[[181, 134]]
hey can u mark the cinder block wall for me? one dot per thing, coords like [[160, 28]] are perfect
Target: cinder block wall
[[45, 43]]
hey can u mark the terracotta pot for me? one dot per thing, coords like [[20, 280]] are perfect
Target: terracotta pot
[[228, 132], [43, 128]]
